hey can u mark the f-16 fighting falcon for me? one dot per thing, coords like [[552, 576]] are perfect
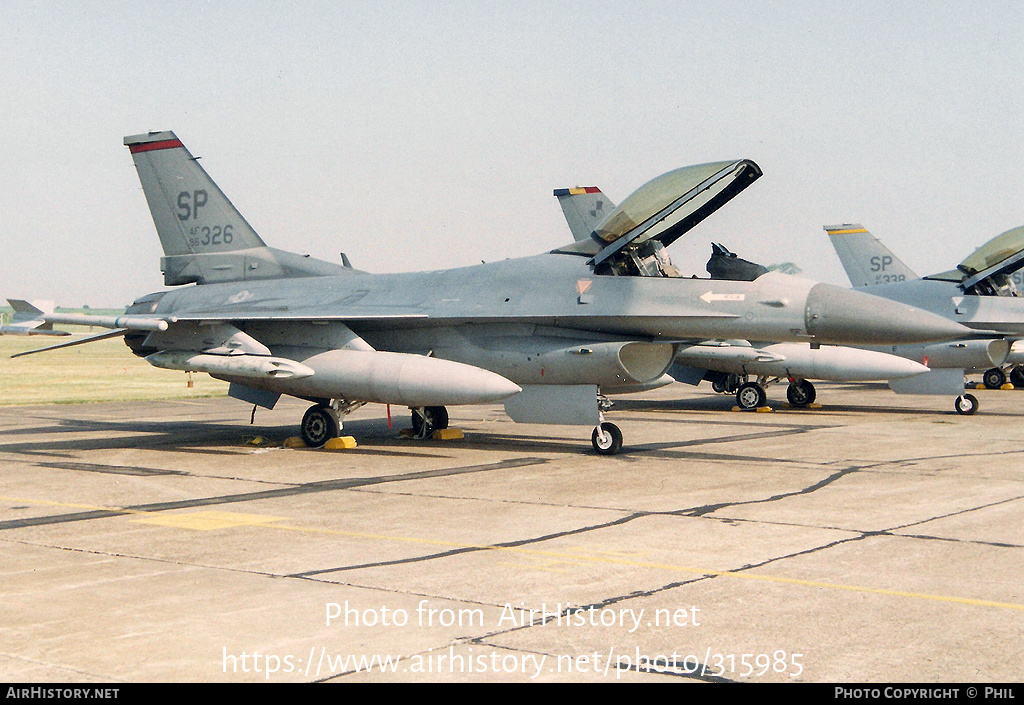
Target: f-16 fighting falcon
[[980, 293], [548, 335]]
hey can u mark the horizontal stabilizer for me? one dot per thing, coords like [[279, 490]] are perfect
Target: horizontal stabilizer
[[30, 318]]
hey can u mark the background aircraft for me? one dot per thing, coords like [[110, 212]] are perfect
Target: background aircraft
[[548, 335], [962, 294]]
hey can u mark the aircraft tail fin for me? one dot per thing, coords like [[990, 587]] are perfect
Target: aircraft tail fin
[[584, 209], [204, 237], [866, 260]]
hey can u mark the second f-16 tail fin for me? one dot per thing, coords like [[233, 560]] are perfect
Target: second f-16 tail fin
[[204, 237], [866, 260], [584, 208]]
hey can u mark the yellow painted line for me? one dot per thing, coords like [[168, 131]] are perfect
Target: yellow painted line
[[207, 520], [547, 567], [271, 522]]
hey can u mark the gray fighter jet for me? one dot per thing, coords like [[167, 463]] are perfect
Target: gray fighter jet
[[980, 293], [738, 366], [548, 335]]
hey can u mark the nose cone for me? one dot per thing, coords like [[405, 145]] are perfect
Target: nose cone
[[846, 317]]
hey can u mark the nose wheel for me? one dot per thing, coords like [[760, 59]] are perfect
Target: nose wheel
[[607, 439], [966, 404]]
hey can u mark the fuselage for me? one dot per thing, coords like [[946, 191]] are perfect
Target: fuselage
[[1002, 314], [559, 291]]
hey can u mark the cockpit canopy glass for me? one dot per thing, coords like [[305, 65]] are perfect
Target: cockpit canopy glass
[[999, 248], [669, 205]]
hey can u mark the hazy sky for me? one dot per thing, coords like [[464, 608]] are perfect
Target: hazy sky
[[421, 135]]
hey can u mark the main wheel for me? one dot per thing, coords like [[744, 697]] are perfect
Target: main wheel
[[750, 395], [1017, 377], [319, 425], [994, 378], [966, 404], [801, 393], [607, 439], [433, 419]]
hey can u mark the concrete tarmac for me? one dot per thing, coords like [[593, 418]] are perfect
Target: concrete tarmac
[[877, 539]]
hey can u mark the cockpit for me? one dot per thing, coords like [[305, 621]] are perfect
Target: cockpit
[[988, 271], [631, 239]]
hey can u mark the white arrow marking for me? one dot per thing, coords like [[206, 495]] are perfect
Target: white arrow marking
[[708, 297]]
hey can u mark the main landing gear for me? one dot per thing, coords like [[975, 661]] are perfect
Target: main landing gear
[[801, 393], [753, 395], [427, 419], [996, 377], [323, 421]]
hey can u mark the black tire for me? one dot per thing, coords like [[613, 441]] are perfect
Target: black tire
[[608, 443], [801, 393], [750, 395], [994, 378], [966, 404], [436, 419], [1017, 377], [319, 425]]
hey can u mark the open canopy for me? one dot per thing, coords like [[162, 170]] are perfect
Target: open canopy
[[1000, 250], [667, 207], [982, 269]]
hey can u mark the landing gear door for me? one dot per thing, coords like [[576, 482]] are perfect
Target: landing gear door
[[565, 404]]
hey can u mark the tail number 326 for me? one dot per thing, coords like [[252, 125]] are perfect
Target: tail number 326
[[202, 236]]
